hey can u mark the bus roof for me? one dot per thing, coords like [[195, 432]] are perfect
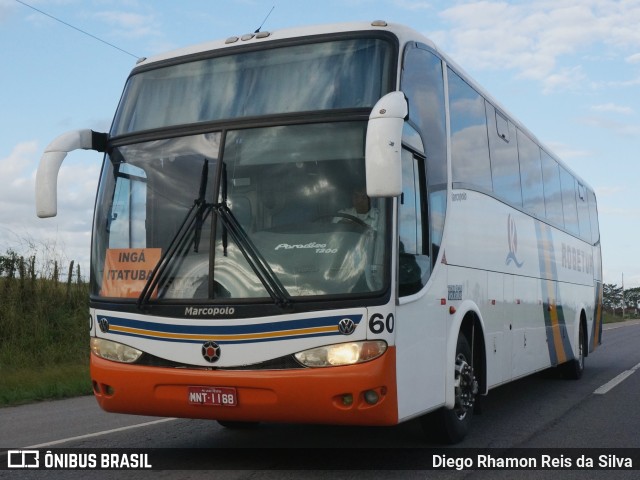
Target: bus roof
[[402, 32]]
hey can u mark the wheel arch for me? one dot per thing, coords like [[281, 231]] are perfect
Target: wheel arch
[[467, 320]]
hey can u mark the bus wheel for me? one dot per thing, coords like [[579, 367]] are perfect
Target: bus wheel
[[237, 425], [454, 423], [574, 369]]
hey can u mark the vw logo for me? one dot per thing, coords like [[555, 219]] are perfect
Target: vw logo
[[346, 326], [103, 323], [211, 352]]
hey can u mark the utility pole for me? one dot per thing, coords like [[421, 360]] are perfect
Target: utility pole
[[623, 303]]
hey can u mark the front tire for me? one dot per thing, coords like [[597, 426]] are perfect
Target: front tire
[[454, 424]]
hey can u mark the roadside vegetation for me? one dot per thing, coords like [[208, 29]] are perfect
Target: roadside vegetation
[[620, 304], [44, 341]]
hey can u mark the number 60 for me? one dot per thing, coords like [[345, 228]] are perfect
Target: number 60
[[378, 324]]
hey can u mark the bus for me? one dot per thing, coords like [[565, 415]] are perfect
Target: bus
[[330, 224]]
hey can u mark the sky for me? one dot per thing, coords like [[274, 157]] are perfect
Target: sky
[[567, 69]]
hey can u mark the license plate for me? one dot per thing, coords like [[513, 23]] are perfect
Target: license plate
[[217, 396]]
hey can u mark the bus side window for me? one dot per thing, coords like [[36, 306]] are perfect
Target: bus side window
[[583, 213], [469, 142], [531, 172], [414, 266], [505, 171], [552, 191], [593, 214], [423, 84], [569, 205]]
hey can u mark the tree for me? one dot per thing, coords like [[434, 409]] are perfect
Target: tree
[[612, 296], [632, 297]]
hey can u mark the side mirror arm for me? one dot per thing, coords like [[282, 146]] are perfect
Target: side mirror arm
[[52, 158]]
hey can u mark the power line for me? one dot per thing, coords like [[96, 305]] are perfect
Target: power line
[[77, 29]]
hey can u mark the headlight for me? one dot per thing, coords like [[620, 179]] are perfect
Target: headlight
[[114, 351], [342, 354]]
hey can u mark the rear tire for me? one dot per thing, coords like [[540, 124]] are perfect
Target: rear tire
[[574, 369], [454, 424]]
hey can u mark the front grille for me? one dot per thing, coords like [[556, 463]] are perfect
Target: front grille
[[287, 362]]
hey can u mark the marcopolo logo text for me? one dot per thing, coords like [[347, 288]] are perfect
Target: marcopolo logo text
[[209, 311]]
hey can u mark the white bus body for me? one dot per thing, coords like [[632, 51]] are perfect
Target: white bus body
[[476, 262]]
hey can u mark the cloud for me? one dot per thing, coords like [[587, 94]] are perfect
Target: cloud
[[70, 232], [531, 37], [620, 128], [129, 24], [20, 158], [567, 152], [565, 79], [624, 83], [413, 5], [609, 191], [6, 9], [612, 107], [633, 58]]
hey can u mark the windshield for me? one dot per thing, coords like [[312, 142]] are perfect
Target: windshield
[[351, 73], [276, 212]]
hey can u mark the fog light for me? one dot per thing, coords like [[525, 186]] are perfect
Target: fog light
[[371, 397], [347, 400]]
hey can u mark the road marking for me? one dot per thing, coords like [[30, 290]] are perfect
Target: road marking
[[98, 434], [616, 381], [613, 326]]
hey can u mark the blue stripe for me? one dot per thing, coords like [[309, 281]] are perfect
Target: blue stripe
[[225, 342], [286, 327]]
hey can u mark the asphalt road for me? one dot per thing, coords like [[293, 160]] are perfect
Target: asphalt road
[[540, 411]]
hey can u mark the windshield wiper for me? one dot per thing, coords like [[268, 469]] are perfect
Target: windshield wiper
[[180, 243], [258, 264], [193, 222], [256, 261]]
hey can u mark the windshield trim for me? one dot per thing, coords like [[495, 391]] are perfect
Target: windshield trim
[[310, 302], [273, 44], [285, 119]]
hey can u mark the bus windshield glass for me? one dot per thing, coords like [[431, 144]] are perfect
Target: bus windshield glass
[[350, 73], [241, 214]]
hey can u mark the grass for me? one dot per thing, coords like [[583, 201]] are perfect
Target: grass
[[609, 317], [29, 384], [44, 332]]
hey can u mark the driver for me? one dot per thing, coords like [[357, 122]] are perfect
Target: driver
[[361, 209]]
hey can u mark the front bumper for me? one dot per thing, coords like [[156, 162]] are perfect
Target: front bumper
[[309, 395]]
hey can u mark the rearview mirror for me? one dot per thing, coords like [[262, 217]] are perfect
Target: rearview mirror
[[384, 146], [52, 158]]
